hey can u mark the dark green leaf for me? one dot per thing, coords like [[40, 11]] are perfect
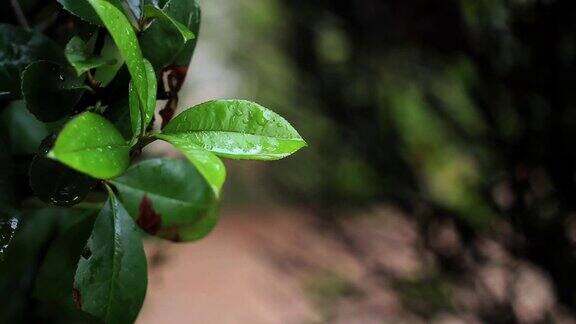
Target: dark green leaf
[[24, 131], [17, 274], [82, 60], [18, 48], [127, 43], [55, 279], [83, 10], [169, 199], [236, 129], [162, 43], [136, 108], [91, 144], [55, 183], [208, 164], [111, 279], [151, 11], [50, 90]]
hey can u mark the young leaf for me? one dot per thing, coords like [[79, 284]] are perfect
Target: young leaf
[[50, 90], [154, 12], [162, 43], [136, 109], [208, 164], [20, 47], [111, 278], [169, 199], [236, 129], [80, 57], [90, 144], [125, 38]]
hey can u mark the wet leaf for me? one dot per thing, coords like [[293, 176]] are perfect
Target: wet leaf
[[125, 38], [18, 48], [92, 145], [236, 129], [81, 59], [110, 281], [136, 108], [168, 199], [50, 90], [207, 164], [154, 12], [54, 182], [162, 43]]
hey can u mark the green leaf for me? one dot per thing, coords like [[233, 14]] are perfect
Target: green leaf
[[169, 199], [125, 38], [162, 43], [208, 164], [55, 183], [50, 90], [154, 12], [111, 278], [83, 10], [136, 108], [55, 278], [236, 129], [91, 144], [24, 131], [20, 47], [81, 59], [106, 73]]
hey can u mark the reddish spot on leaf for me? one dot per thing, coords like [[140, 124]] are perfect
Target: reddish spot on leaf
[[77, 298], [149, 220]]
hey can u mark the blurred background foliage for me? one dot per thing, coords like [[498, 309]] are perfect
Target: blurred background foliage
[[461, 113]]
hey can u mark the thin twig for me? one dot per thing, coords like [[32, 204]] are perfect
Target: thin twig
[[19, 14]]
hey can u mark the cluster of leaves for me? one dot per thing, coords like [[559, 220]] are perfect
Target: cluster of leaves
[[86, 112]]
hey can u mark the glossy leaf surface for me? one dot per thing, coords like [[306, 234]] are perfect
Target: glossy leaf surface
[[81, 59], [169, 199], [136, 108], [50, 90], [236, 129], [125, 38], [208, 164], [92, 145], [111, 279], [18, 48], [154, 12]]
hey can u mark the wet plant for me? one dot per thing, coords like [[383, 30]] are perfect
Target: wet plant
[[85, 86]]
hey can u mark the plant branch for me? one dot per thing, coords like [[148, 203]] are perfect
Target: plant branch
[[19, 14]]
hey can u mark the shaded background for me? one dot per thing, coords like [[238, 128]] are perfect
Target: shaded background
[[439, 181]]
